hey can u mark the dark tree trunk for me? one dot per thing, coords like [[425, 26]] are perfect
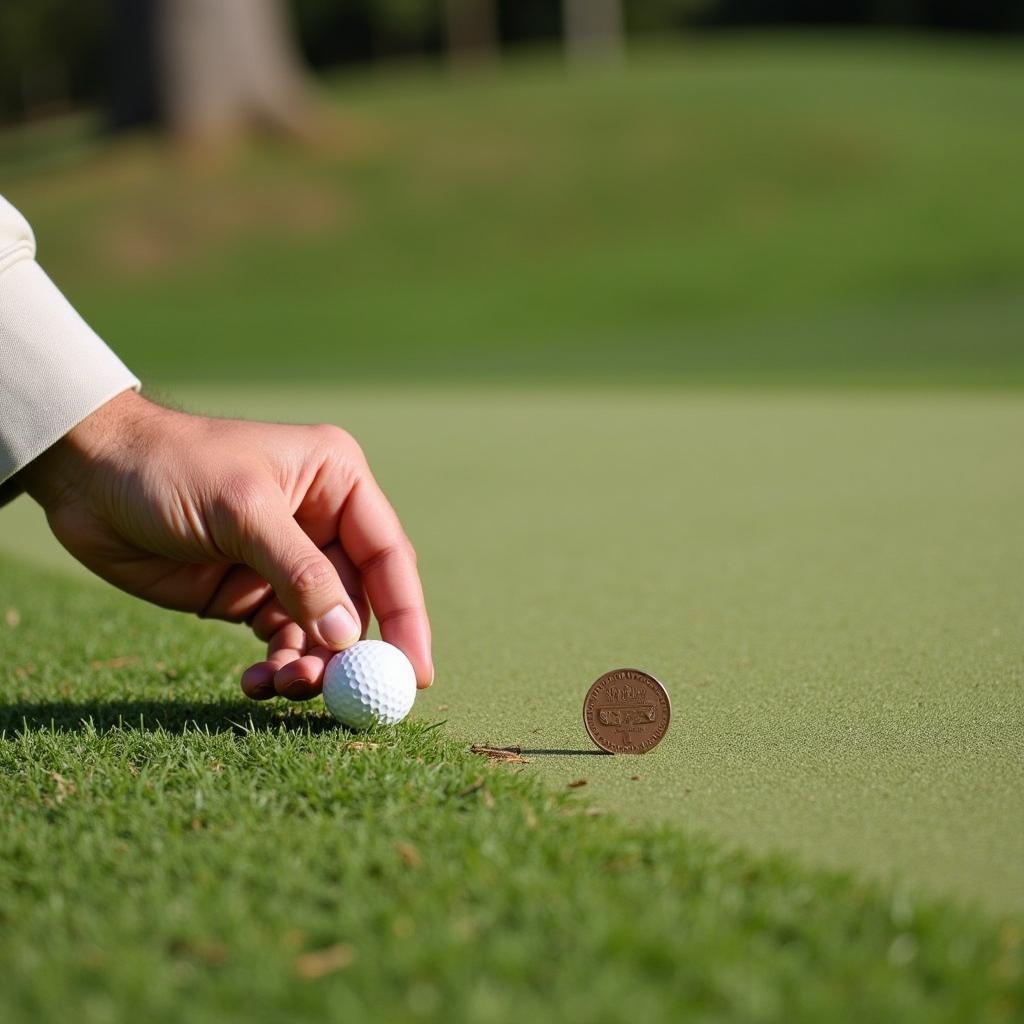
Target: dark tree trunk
[[132, 92], [593, 29], [471, 28]]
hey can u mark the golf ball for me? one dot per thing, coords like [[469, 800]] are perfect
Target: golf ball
[[371, 681]]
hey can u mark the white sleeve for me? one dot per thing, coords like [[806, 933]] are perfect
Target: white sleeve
[[54, 369]]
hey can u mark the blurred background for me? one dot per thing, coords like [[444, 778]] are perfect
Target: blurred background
[[694, 191]]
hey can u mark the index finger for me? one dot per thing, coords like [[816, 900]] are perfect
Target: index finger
[[373, 538]]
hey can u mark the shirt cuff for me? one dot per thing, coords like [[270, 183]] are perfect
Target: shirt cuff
[[54, 369]]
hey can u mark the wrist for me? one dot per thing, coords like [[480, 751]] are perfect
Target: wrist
[[105, 434]]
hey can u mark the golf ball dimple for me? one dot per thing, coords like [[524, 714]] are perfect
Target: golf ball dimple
[[371, 681]]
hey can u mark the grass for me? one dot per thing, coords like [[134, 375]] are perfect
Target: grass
[[804, 210], [170, 853], [827, 581]]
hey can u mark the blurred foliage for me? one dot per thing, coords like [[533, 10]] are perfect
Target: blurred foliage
[[336, 30], [405, 16], [59, 53], [659, 15], [51, 54]]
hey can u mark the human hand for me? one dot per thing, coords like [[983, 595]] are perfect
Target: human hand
[[282, 527]]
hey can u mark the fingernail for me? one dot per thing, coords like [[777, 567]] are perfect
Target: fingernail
[[337, 628], [256, 685], [297, 689]]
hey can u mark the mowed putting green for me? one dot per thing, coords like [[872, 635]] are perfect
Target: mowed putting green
[[827, 583]]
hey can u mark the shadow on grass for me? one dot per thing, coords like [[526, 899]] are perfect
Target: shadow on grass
[[170, 715], [538, 751]]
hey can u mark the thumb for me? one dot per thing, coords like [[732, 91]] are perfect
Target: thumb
[[303, 577]]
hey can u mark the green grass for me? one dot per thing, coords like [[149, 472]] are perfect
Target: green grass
[[817, 210], [170, 852], [827, 583]]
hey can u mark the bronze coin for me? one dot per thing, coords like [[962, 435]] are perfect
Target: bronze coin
[[627, 711]]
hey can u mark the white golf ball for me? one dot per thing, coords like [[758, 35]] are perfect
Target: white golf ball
[[371, 681]]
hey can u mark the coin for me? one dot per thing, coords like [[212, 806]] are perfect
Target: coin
[[627, 711]]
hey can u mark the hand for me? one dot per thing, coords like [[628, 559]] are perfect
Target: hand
[[282, 527]]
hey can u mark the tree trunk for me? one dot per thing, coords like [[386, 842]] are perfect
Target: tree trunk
[[471, 28], [593, 29], [228, 66], [132, 99]]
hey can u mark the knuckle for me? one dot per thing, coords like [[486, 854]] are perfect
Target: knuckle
[[339, 440], [399, 551], [309, 577]]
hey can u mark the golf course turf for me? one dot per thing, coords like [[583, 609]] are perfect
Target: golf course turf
[[758, 434], [827, 583], [171, 852]]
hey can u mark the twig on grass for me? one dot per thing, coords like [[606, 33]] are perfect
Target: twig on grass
[[510, 755]]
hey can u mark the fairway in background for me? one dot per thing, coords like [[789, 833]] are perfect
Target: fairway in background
[[764, 210]]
